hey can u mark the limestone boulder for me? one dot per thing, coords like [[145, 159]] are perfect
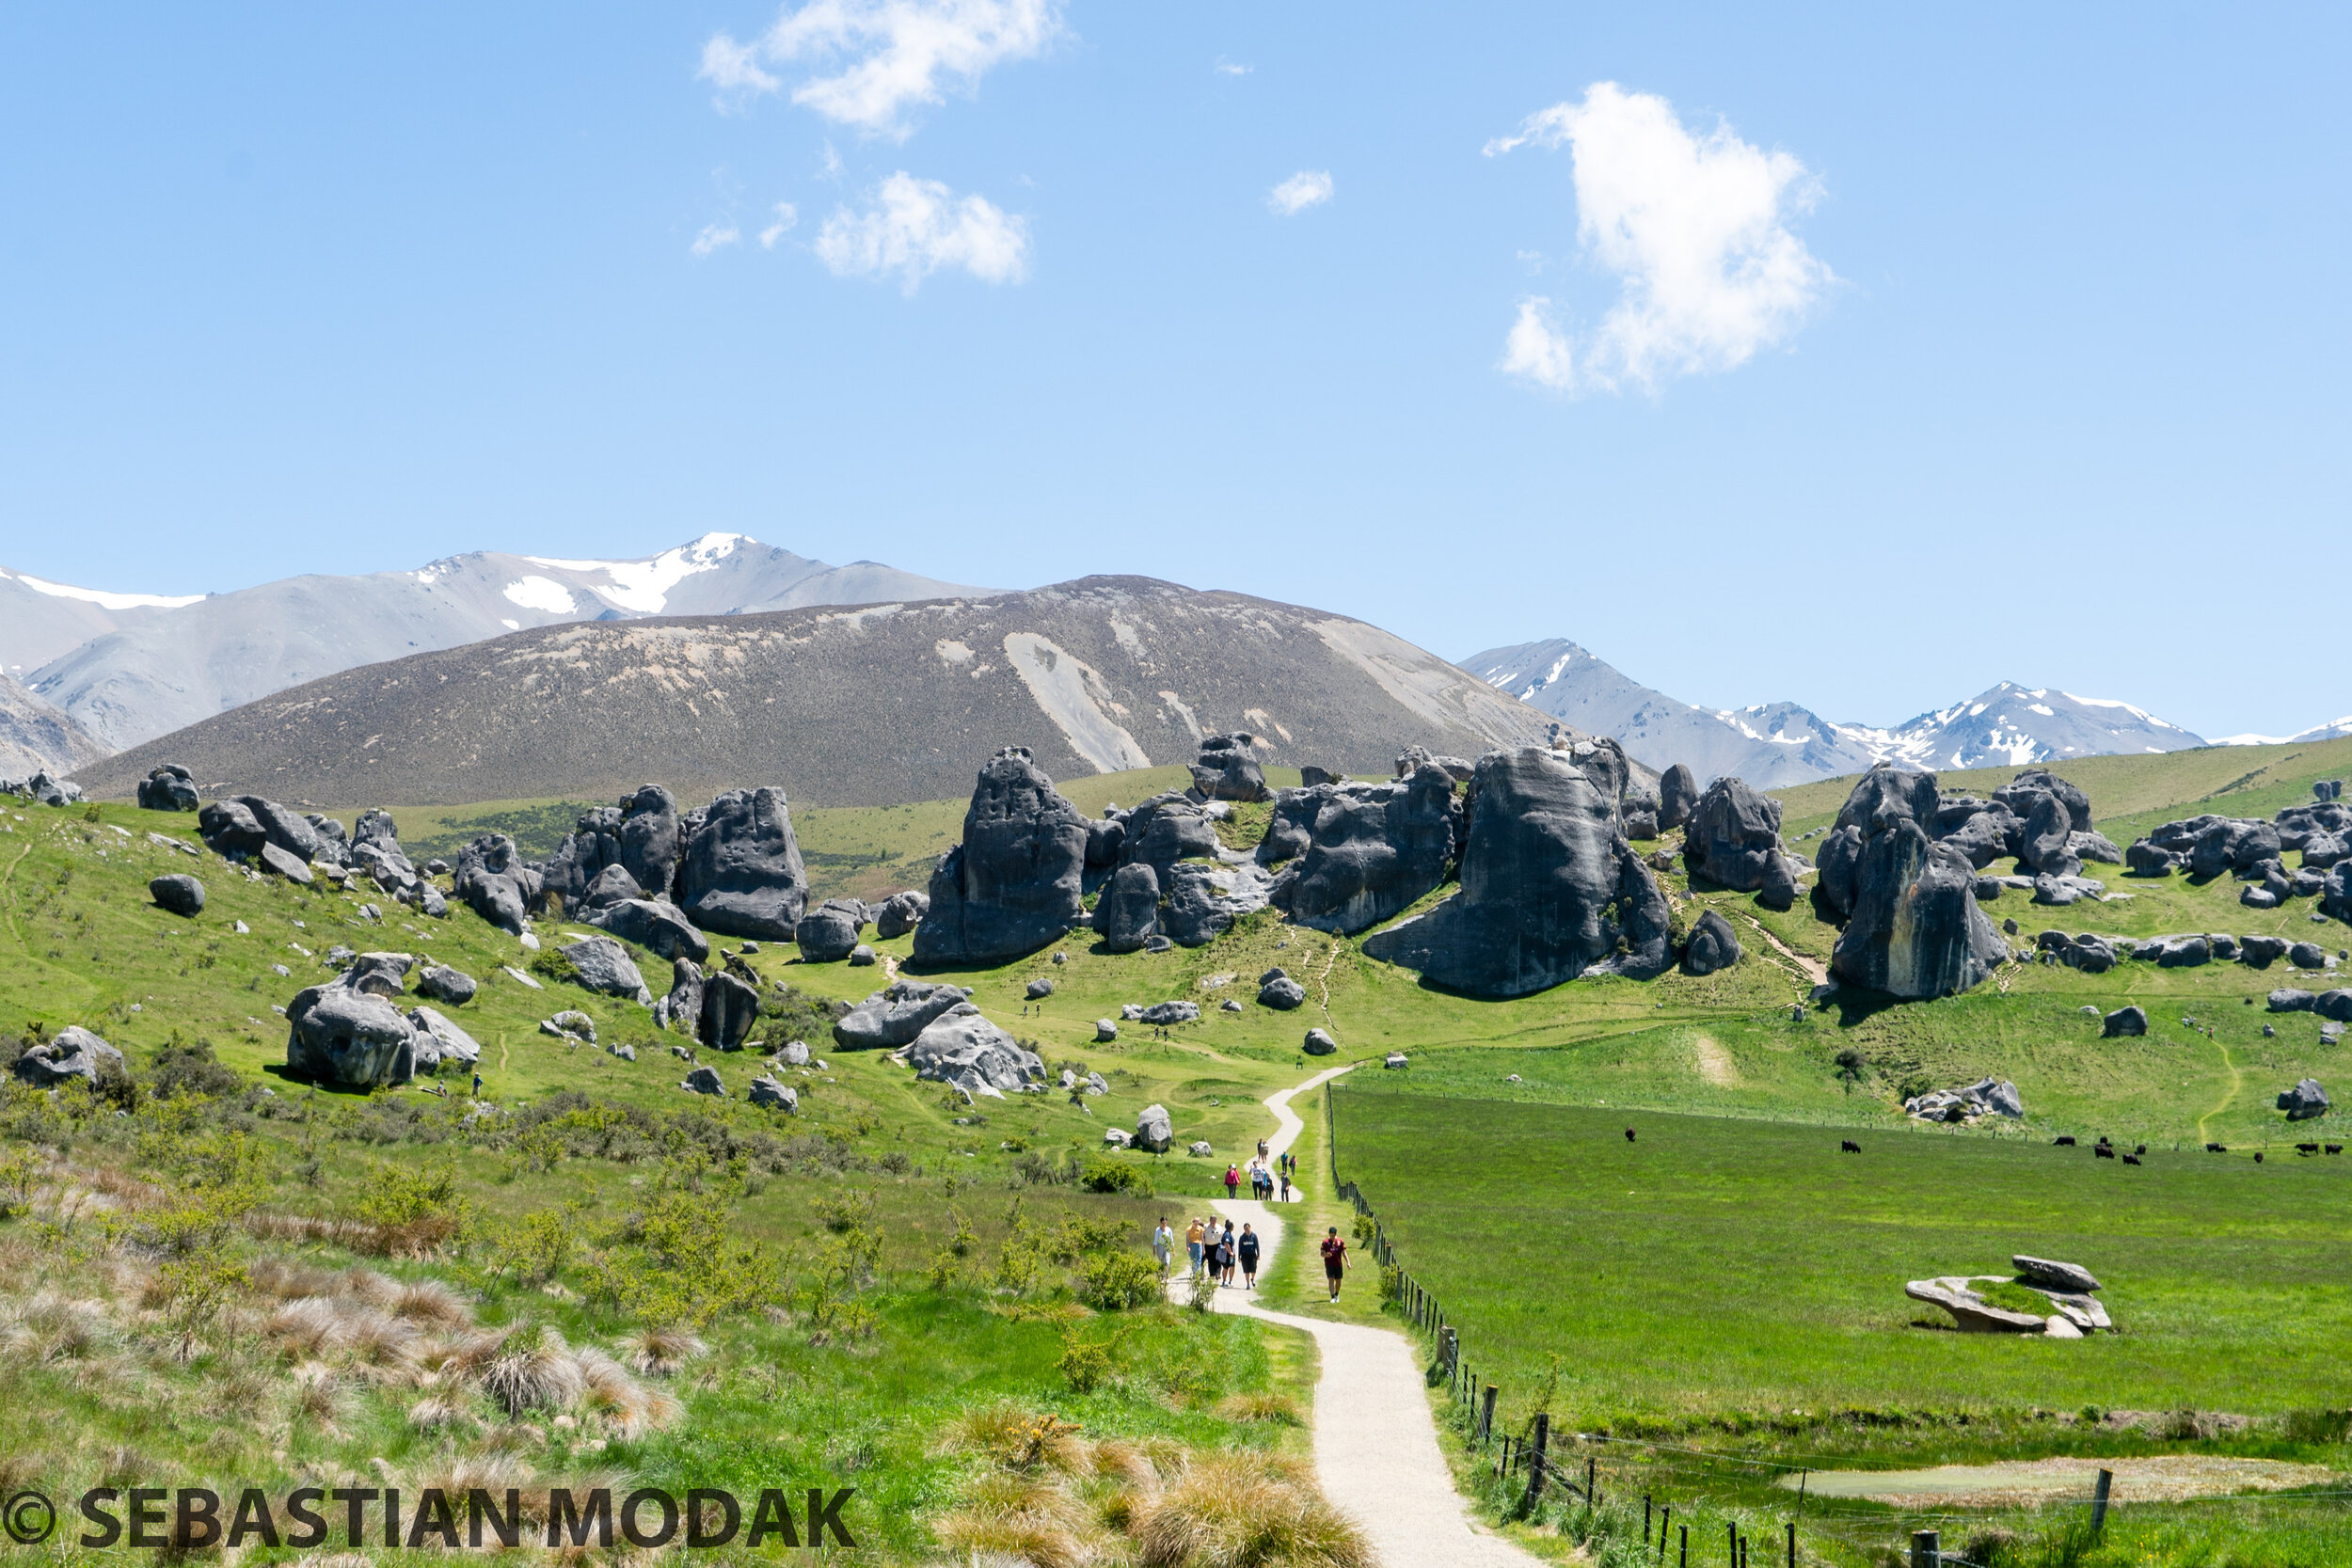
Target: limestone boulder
[[1227, 768], [660, 926], [436, 1042], [827, 933], [1319, 1044], [495, 883], [773, 1094], [349, 1038], [1155, 1130], [71, 1053], [683, 1007], [1365, 852], [740, 872], [170, 787], [1550, 888], [1282, 993], [228, 828], [961, 1048], [1915, 930], [1713, 945], [730, 1006], [1164, 1014], [605, 967], [900, 913], [896, 1015], [1733, 836], [1678, 795], [177, 893], [2305, 1100], [2127, 1021], [1015, 882], [1127, 912]]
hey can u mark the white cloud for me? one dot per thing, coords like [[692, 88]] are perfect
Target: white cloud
[[1537, 350], [1695, 230], [1309, 188], [786, 215], [916, 227], [886, 57], [714, 237], [1231, 67]]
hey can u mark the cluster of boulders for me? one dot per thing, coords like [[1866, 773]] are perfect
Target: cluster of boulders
[[1016, 881], [351, 1031], [1353, 855], [1550, 889], [44, 789], [1227, 768], [1731, 839], [71, 1053], [1986, 1097], [2255, 851], [2068, 1287], [170, 787]]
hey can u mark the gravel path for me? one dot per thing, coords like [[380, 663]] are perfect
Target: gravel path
[[1375, 1444]]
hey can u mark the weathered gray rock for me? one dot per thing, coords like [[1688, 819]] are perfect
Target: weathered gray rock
[[2230, 843], [964, 1049], [2023, 792], [730, 1008], [1205, 900], [1678, 795], [1985, 1097], [2307, 954], [346, 1038], [2146, 857], [2305, 1100], [705, 1080], [2334, 1004], [1281, 993], [1781, 887], [1155, 1131], [2095, 846], [2044, 1273], [2046, 845], [893, 1016], [611, 886], [1164, 829], [71, 1053], [1127, 914], [1106, 839], [775, 1095], [1840, 866], [438, 1043], [660, 926], [828, 932], [900, 913], [1365, 852], [228, 829], [1733, 836], [2125, 1021], [1227, 768], [1915, 930], [495, 883], [741, 873], [170, 787], [284, 863], [1713, 945], [2335, 895], [1970, 1313], [683, 1007], [1319, 1044], [1550, 888], [605, 967], [1105, 1031], [2259, 952], [1163, 1014], [178, 893], [281, 826], [2187, 951], [1014, 883], [379, 974], [2052, 889], [1039, 988]]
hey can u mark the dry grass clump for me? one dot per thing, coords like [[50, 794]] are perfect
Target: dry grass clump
[[1027, 1518], [1018, 1439], [316, 1394], [1246, 1511], [431, 1304], [539, 1374], [1263, 1405], [661, 1352], [50, 1326]]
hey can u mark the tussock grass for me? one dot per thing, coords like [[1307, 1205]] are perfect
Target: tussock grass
[[1015, 1438], [1261, 1405], [538, 1373], [660, 1351], [1246, 1511], [1027, 1518]]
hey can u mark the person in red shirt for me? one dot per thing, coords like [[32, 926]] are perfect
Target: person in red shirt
[[1232, 1181], [1334, 1261]]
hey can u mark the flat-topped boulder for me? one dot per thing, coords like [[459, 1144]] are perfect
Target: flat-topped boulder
[[962, 1047], [2049, 1274], [894, 1015]]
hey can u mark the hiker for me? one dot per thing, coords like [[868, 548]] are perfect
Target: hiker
[[1194, 1237], [477, 1085], [1164, 1246], [1248, 1259], [1334, 1261], [1232, 1183], [1263, 1151], [1286, 1186], [1216, 1258], [1229, 1253]]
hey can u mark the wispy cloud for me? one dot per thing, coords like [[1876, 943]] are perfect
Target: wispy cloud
[[875, 60], [1309, 188], [916, 227], [1694, 228], [786, 215], [1231, 67], [715, 236]]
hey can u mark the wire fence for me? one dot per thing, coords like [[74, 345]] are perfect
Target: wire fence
[[1546, 1462]]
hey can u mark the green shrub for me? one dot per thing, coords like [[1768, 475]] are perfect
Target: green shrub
[[1101, 1175], [183, 1068], [1120, 1281], [1086, 1365]]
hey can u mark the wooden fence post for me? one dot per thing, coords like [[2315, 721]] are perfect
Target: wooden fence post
[[1487, 1414], [1592, 1489], [1732, 1531], [1793, 1543], [2099, 1501], [1665, 1518], [1536, 1471], [1925, 1549], [1686, 1546]]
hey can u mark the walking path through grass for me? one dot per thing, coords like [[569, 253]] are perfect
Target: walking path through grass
[[1375, 1446], [2237, 1081]]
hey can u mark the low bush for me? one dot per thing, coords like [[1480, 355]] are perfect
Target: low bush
[[1102, 1175], [1119, 1281]]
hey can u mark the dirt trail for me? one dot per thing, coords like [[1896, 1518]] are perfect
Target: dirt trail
[[2237, 1084], [1715, 1064], [1811, 968], [1376, 1445]]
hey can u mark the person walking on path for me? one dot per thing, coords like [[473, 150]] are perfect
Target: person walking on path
[[1164, 1246], [1193, 1239], [1334, 1261], [1232, 1253], [1248, 1259], [1232, 1183], [1286, 1186], [1216, 1258]]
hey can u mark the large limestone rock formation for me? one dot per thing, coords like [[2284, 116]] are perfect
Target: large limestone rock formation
[[1227, 768], [1013, 884], [1127, 914], [493, 879], [962, 1047], [1678, 796], [1550, 889], [742, 873], [1732, 836], [893, 1016], [1913, 928], [1363, 853]]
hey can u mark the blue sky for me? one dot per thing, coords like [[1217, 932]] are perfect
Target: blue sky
[[1895, 355]]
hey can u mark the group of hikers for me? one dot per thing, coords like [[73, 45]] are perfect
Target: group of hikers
[[1216, 1251]]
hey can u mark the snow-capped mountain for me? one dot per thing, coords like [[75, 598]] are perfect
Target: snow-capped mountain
[[2335, 729], [198, 657], [41, 620], [1781, 743]]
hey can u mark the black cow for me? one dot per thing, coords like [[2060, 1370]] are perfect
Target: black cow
[[2216, 1149], [2258, 1159], [1628, 1134], [2103, 1151], [2141, 1149], [2131, 1158], [2066, 1141], [2335, 1148], [2305, 1149], [1849, 1147]]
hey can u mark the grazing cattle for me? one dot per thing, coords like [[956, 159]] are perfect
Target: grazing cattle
[[2258, 1159], [2103, 1151], [2131, 1158], [2216, 1149], [2066, 1141], [2335, 1148], [2141, 1149], [2305, 1149], [2103, 1141], [1628, 1134], [1849, 1147]]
